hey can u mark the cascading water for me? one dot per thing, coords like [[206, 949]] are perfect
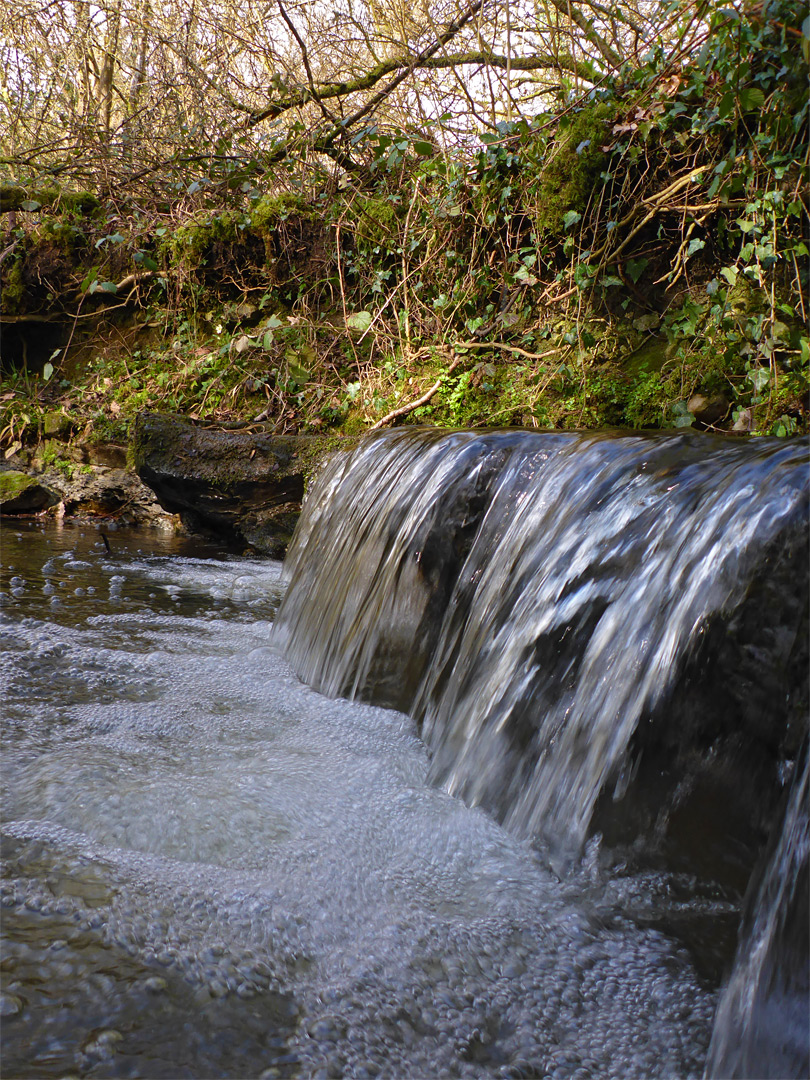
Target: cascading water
[[210, 869], [534, 598], [762, 1021], [563, 613]]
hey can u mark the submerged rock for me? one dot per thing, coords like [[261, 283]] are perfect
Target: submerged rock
[[243, 484]]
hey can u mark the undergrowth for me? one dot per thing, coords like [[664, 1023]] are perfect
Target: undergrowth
[[632, 258]]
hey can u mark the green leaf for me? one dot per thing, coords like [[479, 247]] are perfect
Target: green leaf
[[635, 268], [113, 238], [267, 340], [47, 371], [360, 320], [30, 205], [726, 105], [425, 149], [108, 287], [525, 275], [90, 277], [751, 97], [695, 245], [760, 377], [571, 218], [140, 258], [730, 274]]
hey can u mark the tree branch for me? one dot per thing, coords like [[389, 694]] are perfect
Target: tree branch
[[407, 64]]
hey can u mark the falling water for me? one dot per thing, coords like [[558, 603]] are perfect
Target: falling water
[[761, 1028], [534, 598]]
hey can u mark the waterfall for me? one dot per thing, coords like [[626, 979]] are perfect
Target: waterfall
[[558, 610], [761, 1025]]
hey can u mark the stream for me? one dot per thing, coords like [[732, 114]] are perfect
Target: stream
[[211, 869]]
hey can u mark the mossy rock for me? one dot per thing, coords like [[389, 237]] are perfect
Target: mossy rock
[[13, 288], [272, 210], [244, 484], [24, 494], [574, 163]]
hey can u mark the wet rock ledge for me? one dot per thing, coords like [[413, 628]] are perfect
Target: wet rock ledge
[[240, 483]]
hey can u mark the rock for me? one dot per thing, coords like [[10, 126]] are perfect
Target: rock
[[238, 483], [113, 455], [24, 494], [708, 410], [745, 420], [108, 493]]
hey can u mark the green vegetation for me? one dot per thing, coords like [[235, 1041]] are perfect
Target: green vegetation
[[633, 255]]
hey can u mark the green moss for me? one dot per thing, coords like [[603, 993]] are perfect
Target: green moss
[[13, 288], [312, 455], [61, 234], [572, 167], [192, 242], [271, 210], [374, 218], [13, 484]]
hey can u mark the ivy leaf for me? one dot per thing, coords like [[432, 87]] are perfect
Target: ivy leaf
[[571, 218], [730, 274], [760, 377], [360, 320], [30, 205], [89, 279], [635, 268], [525, 275], [694, 245]]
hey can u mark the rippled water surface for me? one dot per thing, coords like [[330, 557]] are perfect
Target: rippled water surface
[[210, 870]]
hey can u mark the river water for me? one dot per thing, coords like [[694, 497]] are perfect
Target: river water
[[211, 870]]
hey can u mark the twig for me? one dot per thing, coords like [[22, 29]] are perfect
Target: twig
[[506, 348], [423, 400]]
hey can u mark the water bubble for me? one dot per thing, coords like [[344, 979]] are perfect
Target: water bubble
[[10, 1005]]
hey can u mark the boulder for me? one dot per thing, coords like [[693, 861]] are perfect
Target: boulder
[[102, 492], [240, 483], [24, 494]]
